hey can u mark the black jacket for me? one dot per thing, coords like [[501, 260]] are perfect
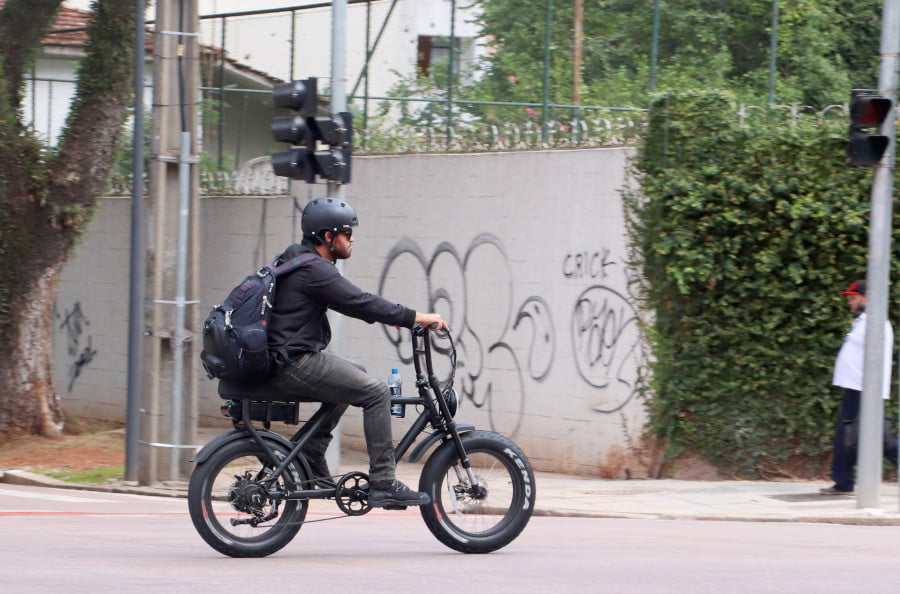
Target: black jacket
[[298, 323]]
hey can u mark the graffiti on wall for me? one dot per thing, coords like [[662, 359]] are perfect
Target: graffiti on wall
[[473, 290], [505, 344], [606, 338], [606, 345], [75, 326]]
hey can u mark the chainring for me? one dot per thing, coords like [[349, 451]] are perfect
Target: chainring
[[352, 494]]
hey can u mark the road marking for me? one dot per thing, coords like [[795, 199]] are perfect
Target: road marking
[[19, 511], [90, 514], [49, 497]]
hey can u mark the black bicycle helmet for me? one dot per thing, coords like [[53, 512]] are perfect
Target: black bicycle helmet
[[326, 214]]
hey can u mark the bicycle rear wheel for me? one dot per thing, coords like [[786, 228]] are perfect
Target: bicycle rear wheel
[[234, 511], [488, 515]]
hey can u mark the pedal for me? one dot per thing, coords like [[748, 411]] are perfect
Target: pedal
[[396, 507]]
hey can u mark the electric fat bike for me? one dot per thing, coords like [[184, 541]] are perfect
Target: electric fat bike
[[249, 493]]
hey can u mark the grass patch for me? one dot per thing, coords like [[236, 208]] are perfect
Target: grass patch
[[102, 474]]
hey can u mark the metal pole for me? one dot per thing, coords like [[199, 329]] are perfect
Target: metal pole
[[773, 51], [654, 46], [450, 73], [136, 274], [578, 53], [221, 131], [178, 335], [545, 113], [365, 125], [335, 189], [371, 50], [871, 415], [293, 41]]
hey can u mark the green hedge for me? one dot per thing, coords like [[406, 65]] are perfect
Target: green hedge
[[745, 234]]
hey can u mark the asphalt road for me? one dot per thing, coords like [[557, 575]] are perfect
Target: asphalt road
[[78, 541]]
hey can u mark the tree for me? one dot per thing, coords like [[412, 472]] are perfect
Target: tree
[[49, 195], [743, 233], [825, 48]]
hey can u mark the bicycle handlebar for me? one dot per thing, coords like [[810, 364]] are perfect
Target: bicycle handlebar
[[422, 350]]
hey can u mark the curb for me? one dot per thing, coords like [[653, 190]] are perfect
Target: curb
[[31, 479], [672, 507]]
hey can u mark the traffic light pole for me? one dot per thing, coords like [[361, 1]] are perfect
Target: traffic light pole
[[336, 189], [871, 415]]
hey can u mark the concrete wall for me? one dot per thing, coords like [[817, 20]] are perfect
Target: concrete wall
[[264, 41], [524, 253]]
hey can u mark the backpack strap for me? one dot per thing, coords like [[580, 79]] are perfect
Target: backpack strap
[[292, 264]]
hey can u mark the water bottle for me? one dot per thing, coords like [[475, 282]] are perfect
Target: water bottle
[[395, 383]]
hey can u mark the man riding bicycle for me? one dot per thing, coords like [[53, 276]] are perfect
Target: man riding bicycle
[[299, 332]]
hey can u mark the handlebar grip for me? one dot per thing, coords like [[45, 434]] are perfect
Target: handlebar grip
[[419, 328]]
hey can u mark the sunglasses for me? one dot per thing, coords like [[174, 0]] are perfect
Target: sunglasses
[[348, 232]]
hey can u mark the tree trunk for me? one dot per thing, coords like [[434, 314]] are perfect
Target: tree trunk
[[48, 197], [26, 373]]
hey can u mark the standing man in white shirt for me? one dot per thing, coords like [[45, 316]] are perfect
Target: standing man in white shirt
[[848, 374]]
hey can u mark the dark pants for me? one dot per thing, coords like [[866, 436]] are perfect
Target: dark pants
[[338, 382], [843, 459]]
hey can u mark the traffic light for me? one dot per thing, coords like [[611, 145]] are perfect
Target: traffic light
[[337, 132], [305, 130], [302, 97], [868, 111]]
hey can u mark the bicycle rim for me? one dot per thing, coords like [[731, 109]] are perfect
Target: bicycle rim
[[233, 508], [486, 516]]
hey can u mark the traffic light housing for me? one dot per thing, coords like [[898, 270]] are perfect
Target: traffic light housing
[[305, 131], [865, 146], [336, 131]]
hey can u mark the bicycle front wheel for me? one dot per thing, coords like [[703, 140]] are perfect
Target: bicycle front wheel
[[488, 514], [236, 509]]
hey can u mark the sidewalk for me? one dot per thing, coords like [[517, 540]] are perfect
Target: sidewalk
[[575, 496]]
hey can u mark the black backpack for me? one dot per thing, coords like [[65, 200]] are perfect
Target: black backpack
[[235, 337]]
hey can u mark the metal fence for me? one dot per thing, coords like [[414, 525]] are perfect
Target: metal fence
[[235, 137]]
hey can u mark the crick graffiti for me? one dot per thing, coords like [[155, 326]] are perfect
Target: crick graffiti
[[605, 329], [506, 344], [75, 326]]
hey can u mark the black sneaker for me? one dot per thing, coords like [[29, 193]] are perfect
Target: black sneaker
[[834, 491], [395, 495]]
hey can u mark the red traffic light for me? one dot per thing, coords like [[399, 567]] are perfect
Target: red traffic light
[[868, 110], [865, 147]]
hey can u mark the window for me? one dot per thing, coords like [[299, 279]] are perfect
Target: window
[[434, 51]]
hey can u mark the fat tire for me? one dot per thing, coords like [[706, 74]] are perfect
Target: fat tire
[[478, 526], [211, 512]]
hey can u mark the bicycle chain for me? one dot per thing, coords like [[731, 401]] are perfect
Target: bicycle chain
[[337, 517], [319, 520]]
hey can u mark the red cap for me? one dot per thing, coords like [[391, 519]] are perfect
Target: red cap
[[856, 288]]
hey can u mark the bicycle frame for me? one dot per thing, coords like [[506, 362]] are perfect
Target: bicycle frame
[[436, 412], [249, 492]]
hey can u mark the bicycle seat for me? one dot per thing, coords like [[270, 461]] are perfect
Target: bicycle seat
[[239, 390]]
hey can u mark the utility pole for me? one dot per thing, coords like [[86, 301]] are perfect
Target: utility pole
[[137, 269], [871, 415], [336, 189], [169, 398]]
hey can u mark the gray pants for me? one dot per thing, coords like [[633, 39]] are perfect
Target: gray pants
[[338, 382]]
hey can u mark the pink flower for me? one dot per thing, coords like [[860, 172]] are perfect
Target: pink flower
[[564, 128], [530, 112], [512, 79]]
